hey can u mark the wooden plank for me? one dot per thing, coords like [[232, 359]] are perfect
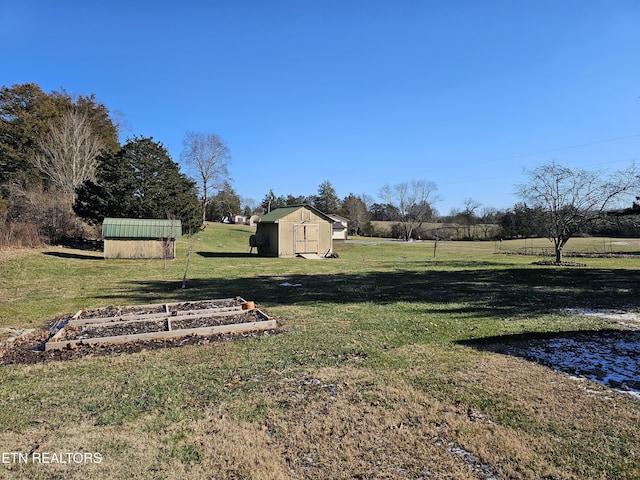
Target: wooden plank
[[60, 331], [57, 336], [203, 331]]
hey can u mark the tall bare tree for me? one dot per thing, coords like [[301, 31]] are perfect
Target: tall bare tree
[[573, 198], [413, 200], [68, 152], [209, 156], [469, 216]]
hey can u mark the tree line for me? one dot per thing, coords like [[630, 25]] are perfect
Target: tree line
[[557, 202], [63, 170]]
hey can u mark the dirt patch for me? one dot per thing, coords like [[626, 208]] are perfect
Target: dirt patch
[[560, 264], [628, 319]]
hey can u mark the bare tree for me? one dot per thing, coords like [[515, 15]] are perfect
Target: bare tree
[[573, 198], [488, 220], [250, 205], [469, 215], [68, 152], [413, 201], [209, 156]]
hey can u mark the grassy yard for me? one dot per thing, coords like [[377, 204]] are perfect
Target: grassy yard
[[373, 377]]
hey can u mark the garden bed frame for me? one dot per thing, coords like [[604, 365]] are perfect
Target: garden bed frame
[[168, 314]]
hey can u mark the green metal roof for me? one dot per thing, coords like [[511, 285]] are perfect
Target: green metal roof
[[278, 213], [141, 228]]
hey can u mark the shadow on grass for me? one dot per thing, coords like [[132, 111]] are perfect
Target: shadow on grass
[[610, 357], [75, 256], [226, 255], [486, 292], [82, 244]]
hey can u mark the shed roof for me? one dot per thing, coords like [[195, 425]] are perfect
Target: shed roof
[[279, 213], [141, 228]]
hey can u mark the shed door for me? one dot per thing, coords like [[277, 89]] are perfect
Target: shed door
[[305, 237]]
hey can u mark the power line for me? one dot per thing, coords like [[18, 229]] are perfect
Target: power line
[[543, 152], [569, 147]]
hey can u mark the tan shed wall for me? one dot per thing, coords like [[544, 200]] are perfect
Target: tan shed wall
[[270, 232], [137, 249], [291, 226]]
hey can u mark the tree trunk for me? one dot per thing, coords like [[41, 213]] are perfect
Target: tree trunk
[[558, 254], [559, 244]]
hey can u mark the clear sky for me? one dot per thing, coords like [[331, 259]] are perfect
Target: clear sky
[[464, 93]]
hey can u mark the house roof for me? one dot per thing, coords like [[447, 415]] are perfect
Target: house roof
[[338, 218], [141, 228], [275, 215]]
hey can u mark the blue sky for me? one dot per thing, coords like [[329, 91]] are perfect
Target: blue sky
[[362, 93]]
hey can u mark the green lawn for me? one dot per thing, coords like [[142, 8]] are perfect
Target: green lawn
[[371, 378]]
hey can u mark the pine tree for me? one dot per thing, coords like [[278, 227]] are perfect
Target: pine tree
[[327, 200], [140, 181]]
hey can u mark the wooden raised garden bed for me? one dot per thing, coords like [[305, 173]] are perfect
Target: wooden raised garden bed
[[117, 325]]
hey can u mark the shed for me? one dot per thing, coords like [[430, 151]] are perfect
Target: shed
[[133, 238], [294, 230], [340, 225]]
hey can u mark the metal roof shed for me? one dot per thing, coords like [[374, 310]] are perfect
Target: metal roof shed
[[133, 238], [294, 230]]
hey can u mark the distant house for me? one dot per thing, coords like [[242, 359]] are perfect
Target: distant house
[[253, 220], [240, 219], [135, 238], [294, 230], [339, 226]]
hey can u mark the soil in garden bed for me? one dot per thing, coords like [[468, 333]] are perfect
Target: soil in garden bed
[[116, 312], [79, 332], [96, 331], [205, 304], [29, 349]]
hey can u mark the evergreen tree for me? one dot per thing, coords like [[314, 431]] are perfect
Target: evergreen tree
[[271, 202], [225, 203], [327, 200], [140, 181]]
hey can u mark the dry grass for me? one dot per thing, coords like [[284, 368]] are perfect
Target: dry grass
[[349, 422]]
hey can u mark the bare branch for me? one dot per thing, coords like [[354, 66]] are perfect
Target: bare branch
[[69, 152], [413, 201], [209, 156], [573, 198]]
